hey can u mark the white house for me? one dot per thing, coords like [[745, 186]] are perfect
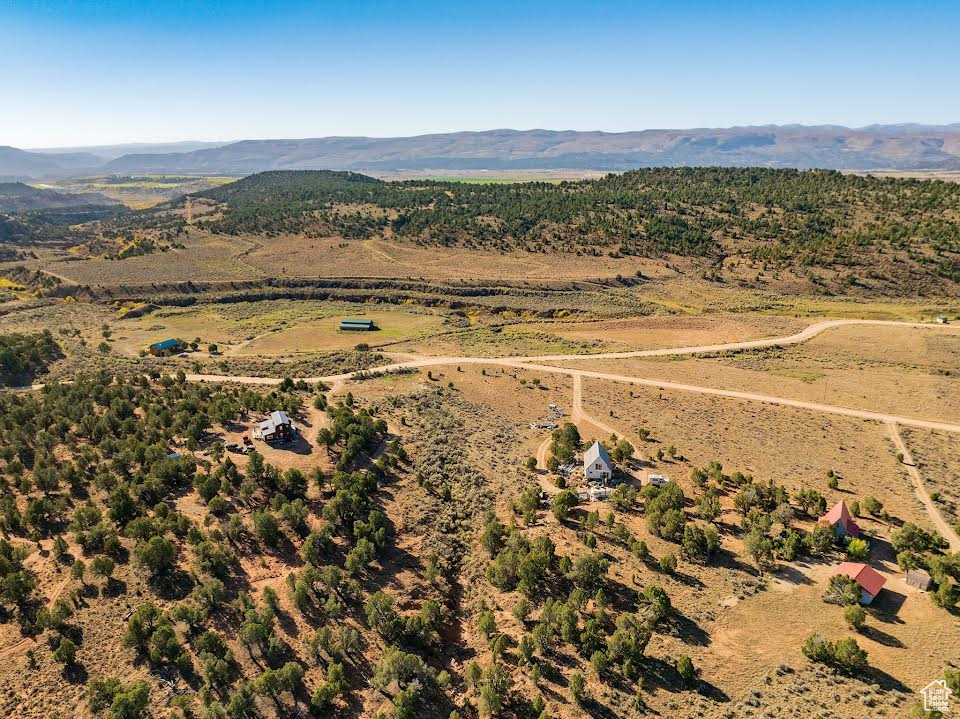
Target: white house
[[597, 465]]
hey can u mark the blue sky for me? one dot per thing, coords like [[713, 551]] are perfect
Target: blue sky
[[107, 72]]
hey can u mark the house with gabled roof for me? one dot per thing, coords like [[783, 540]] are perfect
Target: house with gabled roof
[[277, 428], [839, 518], [869, 579], [597, 465]]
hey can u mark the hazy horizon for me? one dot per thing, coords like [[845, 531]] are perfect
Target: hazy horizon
[[116, 72], [220, 142]]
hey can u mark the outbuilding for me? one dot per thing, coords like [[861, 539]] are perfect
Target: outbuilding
[[166, 347], [869, 579], [597, 465], [919, 579], [357, 325]]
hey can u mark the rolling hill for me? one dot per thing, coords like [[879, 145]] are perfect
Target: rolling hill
[[18, 197], [18, 164], [831, 231]]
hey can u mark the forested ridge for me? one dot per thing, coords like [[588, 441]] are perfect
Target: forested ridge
[[782, 217]]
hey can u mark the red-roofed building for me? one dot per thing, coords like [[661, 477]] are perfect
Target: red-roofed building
[[839, 518], [869, 579]]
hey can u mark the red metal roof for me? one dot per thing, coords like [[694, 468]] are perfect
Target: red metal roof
[[869, 579], [841, 514]]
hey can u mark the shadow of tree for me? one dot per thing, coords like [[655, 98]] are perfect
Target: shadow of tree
[[881, 637]]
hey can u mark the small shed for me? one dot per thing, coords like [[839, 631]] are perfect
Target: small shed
[[597, 464], [869, 579], [166, 347], [357, 325], [919, 579], [278, 428]]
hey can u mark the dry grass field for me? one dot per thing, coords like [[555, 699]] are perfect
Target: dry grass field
[[142, 191], [523, 338], [277, 327], [937, 455], [206, 258], [904, 371]]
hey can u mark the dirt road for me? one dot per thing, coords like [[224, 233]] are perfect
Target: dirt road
[[802, 336], [920, 489]]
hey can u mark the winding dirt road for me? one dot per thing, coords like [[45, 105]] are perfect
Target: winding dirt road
[[535, 363]]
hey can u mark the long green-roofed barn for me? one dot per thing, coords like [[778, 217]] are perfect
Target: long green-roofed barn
[[357, 325], [166, 347]]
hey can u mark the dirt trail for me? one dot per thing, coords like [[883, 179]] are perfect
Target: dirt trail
[[920, 489], [28, 642], [532, 363], [579, 416]]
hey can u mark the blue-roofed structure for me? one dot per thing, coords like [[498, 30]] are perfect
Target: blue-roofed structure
[[166, 347]]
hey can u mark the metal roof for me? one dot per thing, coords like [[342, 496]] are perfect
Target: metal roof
[[840, 513], [166, 344], [869, 579], [268, 426], [597, 451]]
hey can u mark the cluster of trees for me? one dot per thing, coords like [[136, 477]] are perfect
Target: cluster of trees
[[919, 549], [564, 444], [24, 356], [844, 654], [92, 460], [574, 609]]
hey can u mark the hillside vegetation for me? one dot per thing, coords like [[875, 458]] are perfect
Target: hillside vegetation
[[785, 218], [23, 357], [18, 197]]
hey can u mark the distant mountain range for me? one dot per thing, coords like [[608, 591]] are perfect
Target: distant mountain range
[[897, 147]]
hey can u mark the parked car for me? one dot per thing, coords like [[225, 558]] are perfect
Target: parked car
[[234, 447]]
